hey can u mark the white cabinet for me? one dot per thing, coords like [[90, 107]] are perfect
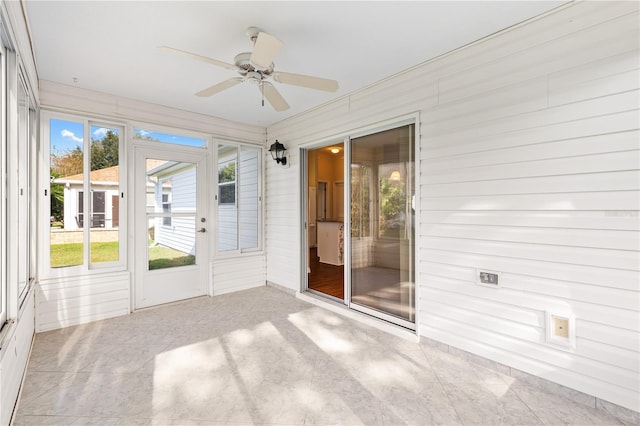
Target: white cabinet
[[331, 242]]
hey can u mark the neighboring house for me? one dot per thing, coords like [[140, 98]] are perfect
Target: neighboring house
[[105, 199]]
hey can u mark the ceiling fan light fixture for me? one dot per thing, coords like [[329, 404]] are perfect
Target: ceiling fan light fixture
[[254, 77]]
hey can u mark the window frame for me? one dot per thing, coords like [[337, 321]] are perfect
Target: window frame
[[166, 208], [88, 122], [3, 185]]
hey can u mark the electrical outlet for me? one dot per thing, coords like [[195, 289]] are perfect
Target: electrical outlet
[[560, 327], [561, 330]]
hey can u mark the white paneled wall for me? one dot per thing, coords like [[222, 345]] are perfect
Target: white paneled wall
[[238, 273], [62, 302], [529, 165], [14, 357]]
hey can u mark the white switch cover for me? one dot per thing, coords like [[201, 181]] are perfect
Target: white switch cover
[[487, 278]]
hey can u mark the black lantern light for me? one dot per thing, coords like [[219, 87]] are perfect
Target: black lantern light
[[277, 151]]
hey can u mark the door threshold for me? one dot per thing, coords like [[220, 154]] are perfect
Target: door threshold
[[338, 307], [173, 302]]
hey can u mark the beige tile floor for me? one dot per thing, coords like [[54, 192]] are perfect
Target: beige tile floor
[[264, 357]]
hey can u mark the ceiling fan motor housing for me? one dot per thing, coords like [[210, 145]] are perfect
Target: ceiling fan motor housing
[[243, 62]]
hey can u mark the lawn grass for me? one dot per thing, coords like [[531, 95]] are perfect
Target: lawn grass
[[70, 254], [164, 257]]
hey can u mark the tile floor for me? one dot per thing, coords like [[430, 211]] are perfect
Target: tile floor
[[262, 356]]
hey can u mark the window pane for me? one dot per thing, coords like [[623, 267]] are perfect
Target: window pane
[[24, 189], [171, 207], [169, 138], [248, 196], [227, 207], [104, 184], [66, 185]]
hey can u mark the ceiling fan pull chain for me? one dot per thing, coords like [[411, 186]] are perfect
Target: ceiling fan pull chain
[[262, 91]]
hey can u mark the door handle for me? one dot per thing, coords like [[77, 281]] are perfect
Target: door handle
[[203, 230]]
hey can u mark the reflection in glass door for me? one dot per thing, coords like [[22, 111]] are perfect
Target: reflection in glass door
[[382, 230]]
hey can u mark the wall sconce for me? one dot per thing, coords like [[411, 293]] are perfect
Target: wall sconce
[[277, 151]]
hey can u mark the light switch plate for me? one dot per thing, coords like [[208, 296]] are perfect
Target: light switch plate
[[487, 278]]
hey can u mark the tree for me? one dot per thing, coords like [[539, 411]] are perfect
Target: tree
[[392, 208], [56, 192], [104, 152], [67, 163]]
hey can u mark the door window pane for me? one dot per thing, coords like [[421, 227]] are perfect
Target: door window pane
[[171, 214], [382, 232]]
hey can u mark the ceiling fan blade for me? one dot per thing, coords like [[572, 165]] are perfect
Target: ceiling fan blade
[[199, 57], [265, 50], [273, 96], [217, 88], [306, 81]]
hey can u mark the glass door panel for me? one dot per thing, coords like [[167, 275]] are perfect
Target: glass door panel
[[171, 213], [382, 231]]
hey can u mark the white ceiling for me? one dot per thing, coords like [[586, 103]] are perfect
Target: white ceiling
[[111, 46]]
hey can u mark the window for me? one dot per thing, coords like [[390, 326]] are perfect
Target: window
[[166, 208], [239, 197], [153, 136], [227, 182], [24, 231], [3, 213], [84, 194]]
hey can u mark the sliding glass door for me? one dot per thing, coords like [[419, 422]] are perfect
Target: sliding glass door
[[382, 225]]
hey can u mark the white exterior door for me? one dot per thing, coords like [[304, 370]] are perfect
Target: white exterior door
[[171, 226]]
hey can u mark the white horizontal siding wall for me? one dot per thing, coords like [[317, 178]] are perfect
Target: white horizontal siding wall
[[180, 235], [238, 273], [529, 165], [62, 302], [14, 357], [81, 101]]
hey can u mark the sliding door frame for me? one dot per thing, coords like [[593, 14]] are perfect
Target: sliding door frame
[[346, 137]]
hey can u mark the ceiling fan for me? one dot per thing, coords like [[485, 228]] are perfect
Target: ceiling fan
[[257, 67]]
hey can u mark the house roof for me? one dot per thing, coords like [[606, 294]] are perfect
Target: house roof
[[106, 176]]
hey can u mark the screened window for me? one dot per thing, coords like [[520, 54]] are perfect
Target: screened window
[[227, 182], [23, 222], [239, 197], [85, 193]]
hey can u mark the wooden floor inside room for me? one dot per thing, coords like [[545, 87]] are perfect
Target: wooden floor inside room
[[325, 278]]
